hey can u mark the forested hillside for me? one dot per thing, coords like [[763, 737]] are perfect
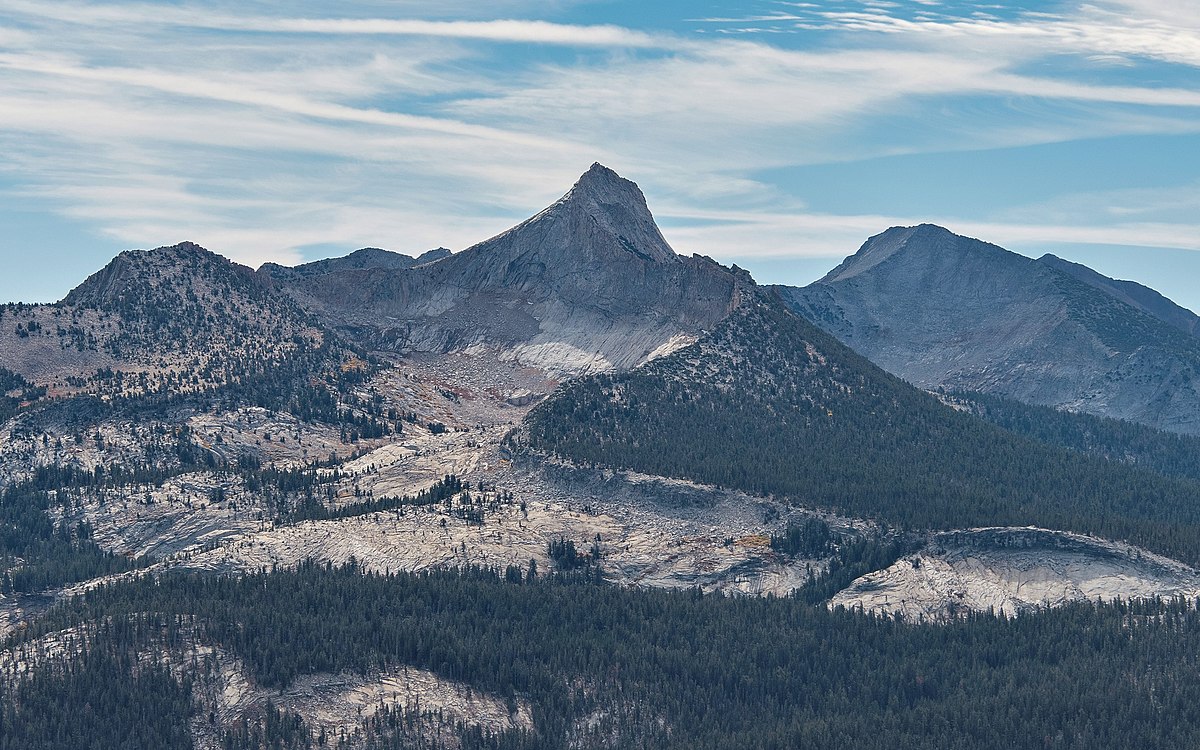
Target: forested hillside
[[627, 668], [1166, 453], [770, 404]]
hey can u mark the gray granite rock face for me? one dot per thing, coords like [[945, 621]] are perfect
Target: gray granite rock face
[[942, 310], [587, 284]]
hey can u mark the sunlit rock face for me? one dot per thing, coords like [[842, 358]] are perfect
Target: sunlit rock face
[[586, 285], [1012, 570]]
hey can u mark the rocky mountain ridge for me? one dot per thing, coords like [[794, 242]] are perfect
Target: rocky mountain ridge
[[174, 319], [1130, 292], [587, 284], [363, 259], [945, 311]]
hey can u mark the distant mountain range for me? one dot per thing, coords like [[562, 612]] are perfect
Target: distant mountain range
[[945, 311], [365, 259], [589, 284]]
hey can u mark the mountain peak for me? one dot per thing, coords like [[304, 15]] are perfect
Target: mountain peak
[[927, 240], [181, 252], [600, 177], [168, 269], [373, 254], [603, 185], [430, 256], [615, 206], [941, 310], [187, 246]]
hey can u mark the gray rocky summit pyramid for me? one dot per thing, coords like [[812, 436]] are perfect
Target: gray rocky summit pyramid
[[589, 283]]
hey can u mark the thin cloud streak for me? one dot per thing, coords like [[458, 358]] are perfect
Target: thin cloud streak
[[502, 30], [722, 235], [532, 32], [189, 86]]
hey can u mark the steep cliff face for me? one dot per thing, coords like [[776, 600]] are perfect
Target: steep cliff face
[[939, 309], [588, 284]]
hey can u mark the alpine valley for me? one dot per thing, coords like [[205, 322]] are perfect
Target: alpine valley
[[570, 489]]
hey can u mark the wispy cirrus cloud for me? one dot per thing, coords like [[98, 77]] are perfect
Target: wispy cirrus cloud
[[516, 31], [222, 90], [1155, 29], [834, 235]]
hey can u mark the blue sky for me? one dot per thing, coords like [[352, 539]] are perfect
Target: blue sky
[[778, 135]]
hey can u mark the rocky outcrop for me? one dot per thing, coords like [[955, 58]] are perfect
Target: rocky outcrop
[[941, 310], [1011, 570], [587, 284]]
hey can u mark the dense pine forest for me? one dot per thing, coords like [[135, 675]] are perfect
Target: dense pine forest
[[608, 667], [770, 404], [1165, 453]]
